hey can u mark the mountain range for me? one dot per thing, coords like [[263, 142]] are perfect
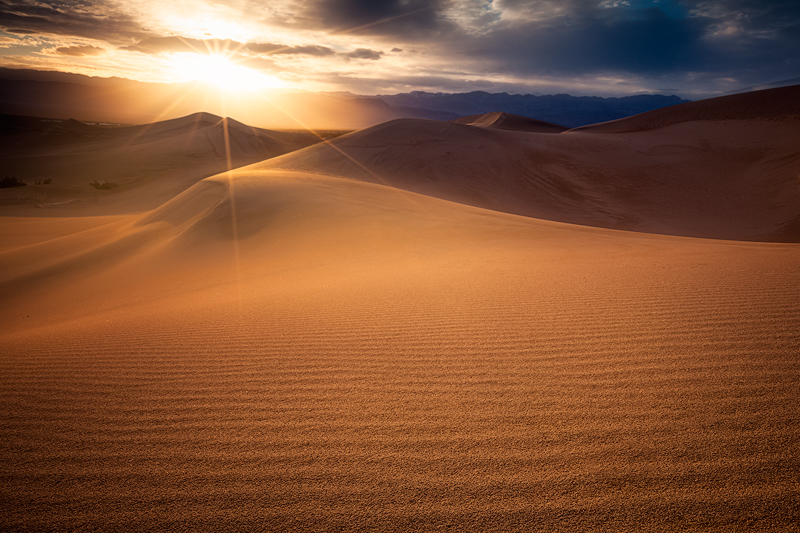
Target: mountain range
[[62, 95], [564, 109]]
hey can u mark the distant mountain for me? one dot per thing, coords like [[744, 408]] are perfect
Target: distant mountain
[[570, 111], [92, 99]]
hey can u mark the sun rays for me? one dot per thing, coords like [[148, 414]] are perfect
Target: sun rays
[[219, 70]]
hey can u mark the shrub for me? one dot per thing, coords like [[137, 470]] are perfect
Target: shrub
[[103, 185], [11, 181], [48, 181]]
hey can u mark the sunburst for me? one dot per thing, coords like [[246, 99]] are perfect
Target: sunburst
[[219, 70]]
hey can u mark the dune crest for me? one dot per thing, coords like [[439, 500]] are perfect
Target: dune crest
[[133, 168], [701, 177], [508, 121], [778, 104]]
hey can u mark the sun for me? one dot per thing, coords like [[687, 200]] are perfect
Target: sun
[[219, 71]]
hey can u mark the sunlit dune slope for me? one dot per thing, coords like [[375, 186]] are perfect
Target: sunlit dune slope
[[288, 351], [508, 121], [717, 176], [146, 165], [306, 226]]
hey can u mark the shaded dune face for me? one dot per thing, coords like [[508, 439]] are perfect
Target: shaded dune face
[[702, 171], [768, 105]]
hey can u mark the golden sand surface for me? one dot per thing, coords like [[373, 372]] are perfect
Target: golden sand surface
[[292, 351]]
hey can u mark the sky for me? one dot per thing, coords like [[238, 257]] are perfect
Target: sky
[[690, 48]]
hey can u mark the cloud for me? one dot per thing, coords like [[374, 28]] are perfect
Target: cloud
[[259, 63], [642, 42], [410, 18], [80, 51], [157, 45], [309, 50], [264, 48], [364, 53], [94, 20], [639, 45], [666, 42]]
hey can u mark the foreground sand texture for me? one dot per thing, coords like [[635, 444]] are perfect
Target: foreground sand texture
[[290, 350]]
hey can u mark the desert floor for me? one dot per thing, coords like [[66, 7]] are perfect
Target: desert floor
[[325, 342], [349, 356]]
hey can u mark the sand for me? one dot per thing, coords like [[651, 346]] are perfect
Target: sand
[[722, 179], [292, 350], [508, 121], [145, 165]]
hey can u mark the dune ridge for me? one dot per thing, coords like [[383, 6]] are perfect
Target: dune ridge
[[767, 104], [508, 121], [146, 165], [727, 179]]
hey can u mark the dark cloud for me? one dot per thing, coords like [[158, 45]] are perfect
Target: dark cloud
[[264, 48], [758, 11], [410, 18], [364, 53], [644, 42], [79, 51], [650, 43], [157, 45], [310, 50], [81, 19], [739, 40]]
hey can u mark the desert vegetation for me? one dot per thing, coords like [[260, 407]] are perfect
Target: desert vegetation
[[11, 181], [104, 185]]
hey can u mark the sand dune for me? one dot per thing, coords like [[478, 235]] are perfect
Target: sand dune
[[777, 104], [703, 177], [146, 164], [507, 121], [345, 355], [286, 347]]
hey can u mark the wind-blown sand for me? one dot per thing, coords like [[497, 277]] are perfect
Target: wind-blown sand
[[284, 350]]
